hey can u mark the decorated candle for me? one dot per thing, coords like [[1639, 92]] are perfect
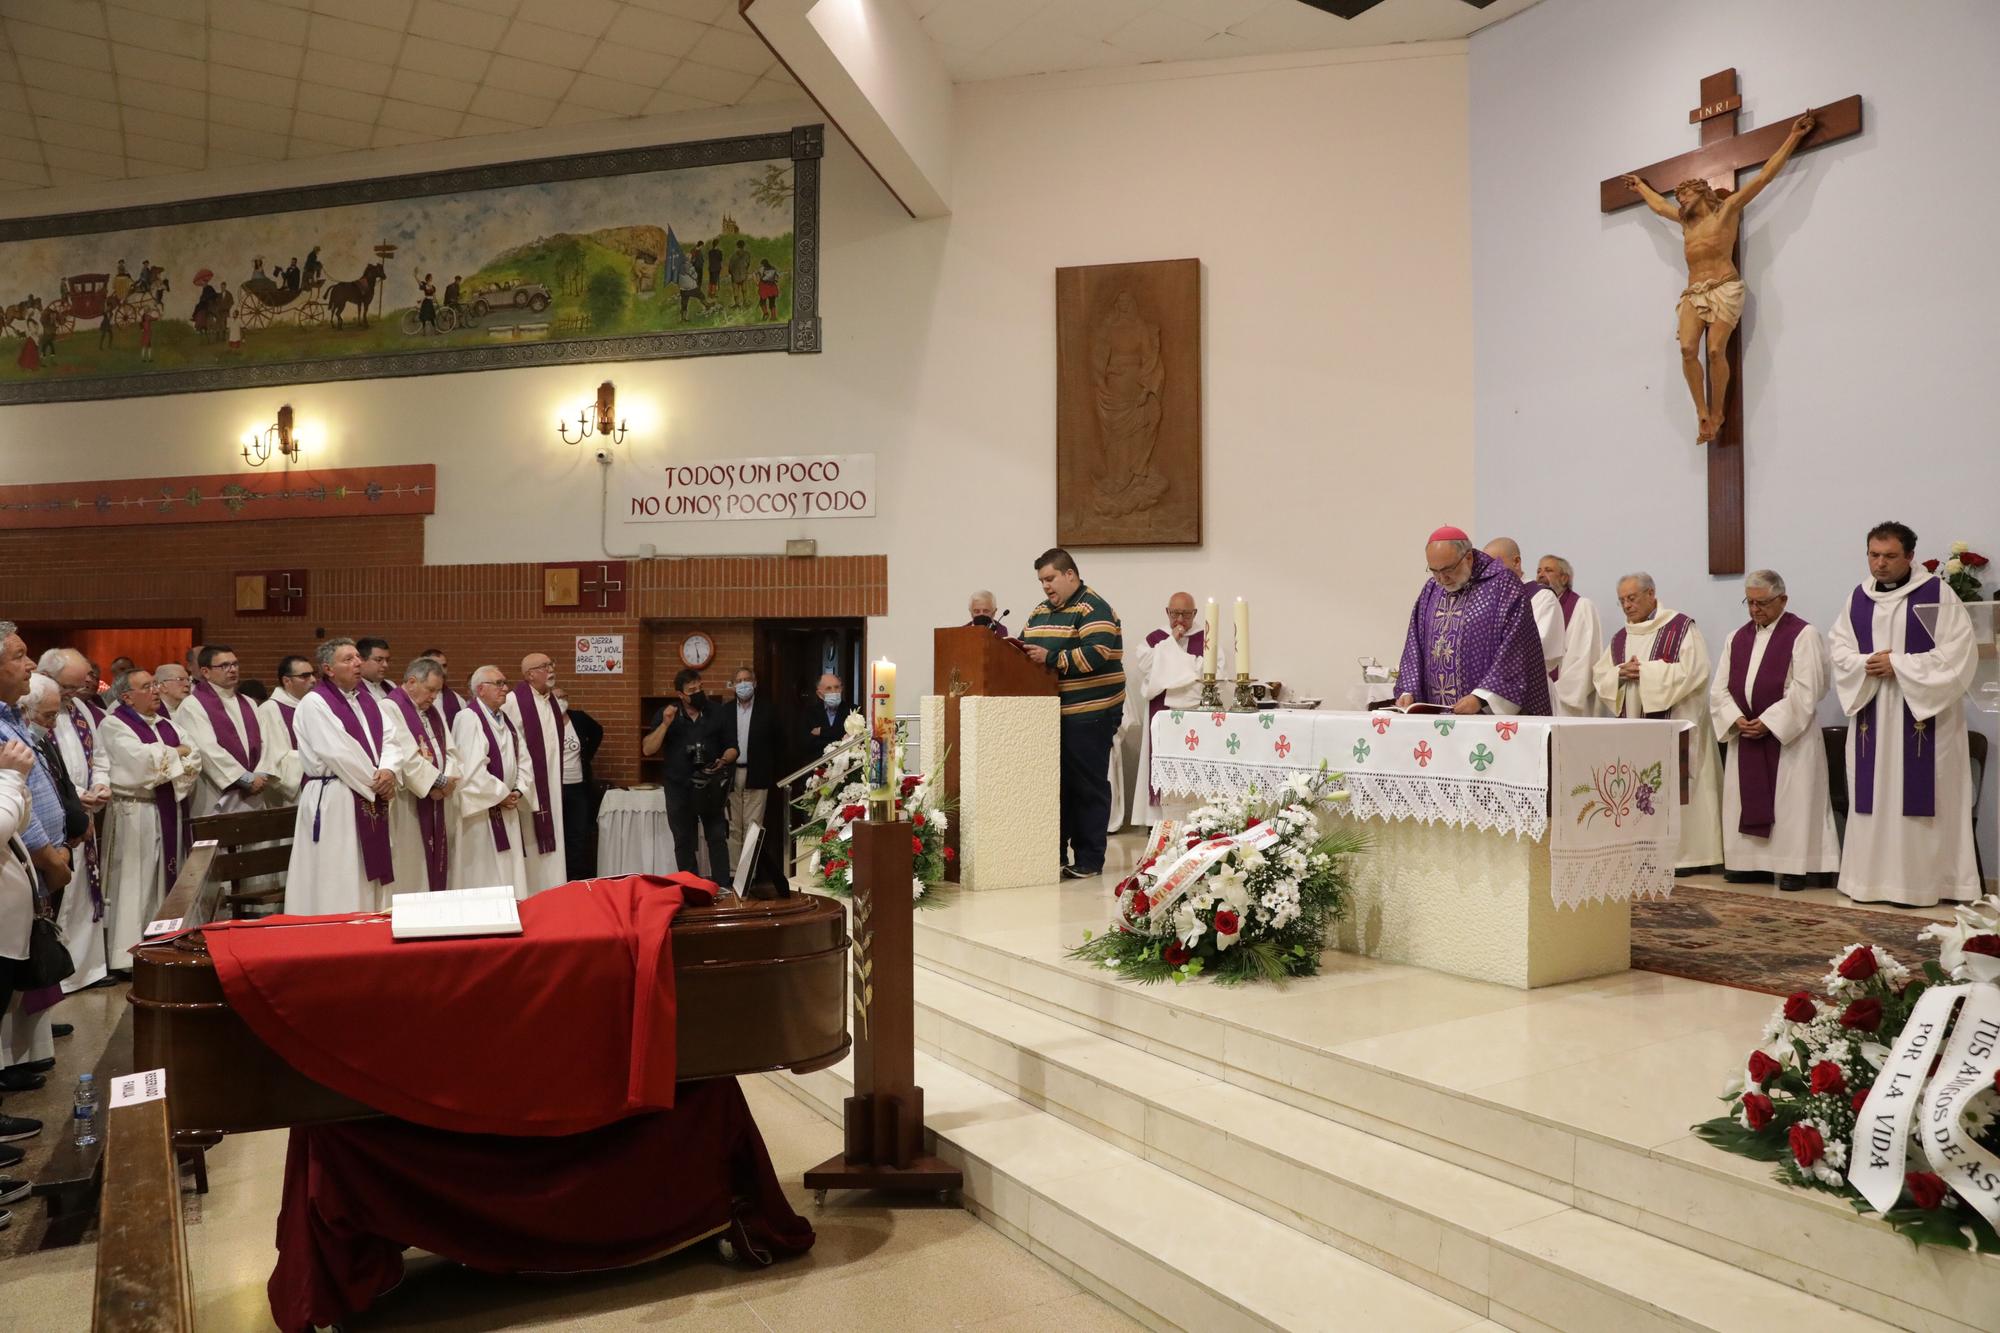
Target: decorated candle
[[882, 731], [1208, 641], [1242, 637]]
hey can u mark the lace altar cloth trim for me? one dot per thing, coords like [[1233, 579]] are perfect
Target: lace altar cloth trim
[[1459, 802], [1611, 874]]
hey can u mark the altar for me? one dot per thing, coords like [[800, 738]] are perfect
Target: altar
[[1504, 849]]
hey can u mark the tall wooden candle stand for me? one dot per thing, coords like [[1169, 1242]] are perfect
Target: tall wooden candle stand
[[884, 1119]]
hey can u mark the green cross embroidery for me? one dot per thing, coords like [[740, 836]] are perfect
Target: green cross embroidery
[[1265, 720], [1444, 726], [1482, 758], [1178, 716], [1233, 744], [1361, 752]]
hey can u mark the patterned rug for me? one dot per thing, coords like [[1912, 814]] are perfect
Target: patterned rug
[[1762, 944]]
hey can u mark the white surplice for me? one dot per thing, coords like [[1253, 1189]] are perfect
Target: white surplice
[[545, 869], [1547, 606], [1917, 860], [420, 770], [132, 856], [1680, 690], [80, 918], [281, 757], [217, 793], [326, 872], [476, 860], [1573, 692], [1803, 840], [1166, 669], [17, 873]]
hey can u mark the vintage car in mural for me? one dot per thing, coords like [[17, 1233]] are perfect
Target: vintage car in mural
[[519, 295]]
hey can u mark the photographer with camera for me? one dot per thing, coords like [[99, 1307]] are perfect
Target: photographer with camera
[[697, 743]]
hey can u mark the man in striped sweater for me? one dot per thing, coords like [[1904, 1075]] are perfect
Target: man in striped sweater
[[1075, 634]]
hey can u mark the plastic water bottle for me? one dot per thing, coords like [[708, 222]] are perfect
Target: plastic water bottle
[[86, 1111]]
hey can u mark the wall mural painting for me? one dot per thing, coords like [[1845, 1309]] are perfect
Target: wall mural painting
[[684, 250]]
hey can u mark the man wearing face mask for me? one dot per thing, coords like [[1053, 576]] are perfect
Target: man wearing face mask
[[696, 742], [754, 728], [826, 721]]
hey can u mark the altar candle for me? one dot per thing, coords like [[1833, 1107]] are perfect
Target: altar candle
[[1242, 637], [1208, 640], [882, 729]]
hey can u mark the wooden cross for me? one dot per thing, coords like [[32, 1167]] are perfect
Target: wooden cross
[[285, 592], [1724, 153], [604, 585]]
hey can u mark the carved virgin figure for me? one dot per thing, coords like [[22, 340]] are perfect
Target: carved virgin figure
[[1127, 377]]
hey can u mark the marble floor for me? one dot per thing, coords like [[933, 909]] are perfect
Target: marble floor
[[873, 1267]]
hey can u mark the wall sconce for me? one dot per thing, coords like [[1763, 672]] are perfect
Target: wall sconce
[[279, 438], [598, 417]]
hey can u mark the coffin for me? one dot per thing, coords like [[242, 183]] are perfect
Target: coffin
[[759, 986]]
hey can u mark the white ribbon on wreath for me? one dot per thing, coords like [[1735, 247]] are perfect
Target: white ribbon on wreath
[[1187, 870]]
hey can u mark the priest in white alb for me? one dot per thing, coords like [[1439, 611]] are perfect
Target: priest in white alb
[[486, 842], [350, 747], [75, 731], [1165, 672], [1542, 601], [1902, 683], [223, 726], [1776, 817], [418, 827], [1573, 694], [1657, 666], [544, 728], [277, 718], [151, 770]]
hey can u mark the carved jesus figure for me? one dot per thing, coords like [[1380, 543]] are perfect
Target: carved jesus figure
[[1127, 377], [1713, 302]]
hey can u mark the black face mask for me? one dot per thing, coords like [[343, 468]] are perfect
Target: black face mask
[[696, 698]]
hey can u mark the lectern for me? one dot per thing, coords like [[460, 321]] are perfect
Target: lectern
[[993, 727]]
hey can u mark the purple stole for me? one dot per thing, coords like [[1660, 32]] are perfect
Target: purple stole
[[285, 712], [1666, 644], [96, 707], [494, 815], [430, 814], [1757, 756], [531, 729], [1569, 601], [246, 753], [173, 813], [451, 705], [93, 871], [371, 827], [1919, 764], [1196, 644]]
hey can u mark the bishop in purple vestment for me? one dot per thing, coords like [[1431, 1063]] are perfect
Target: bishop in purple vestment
[[1472, 644]]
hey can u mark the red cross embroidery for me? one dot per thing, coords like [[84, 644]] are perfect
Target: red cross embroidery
[[1381, 725], [1422, 754], [1506, 729], [1283, 747], [1194, 740], [1217, 719]]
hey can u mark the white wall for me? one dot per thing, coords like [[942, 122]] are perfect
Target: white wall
[[1326, 197], [1874, 307]]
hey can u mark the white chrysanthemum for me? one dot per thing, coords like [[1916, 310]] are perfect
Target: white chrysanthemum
[[939, 818], [916, 888], [1959, 548]]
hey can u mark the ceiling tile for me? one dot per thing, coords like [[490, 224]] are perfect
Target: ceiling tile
[[37, 73], [453, 62], [13, 97], [629, 65], [344, 103], [455, 23], [648, 31], [430, 120], [137, 167], [590, 17], [63, 159], [23, 174], [729, 50], [528, 76], [79, 110], [702, 11], [234, 113], [236, 50], [394, 14], [973, 24], [191, 156], [532, 41], [267, 90], [84, 17], [576, 113], [666, 103], [20, 149], [154, 33], [218, 158], [388, 136], [431, 90], [473, 125], [1160, 36], [159, 67], [1215, 15], [720, 86], [767, 90], [332, 129], [259, 18], [356, 40], [623, 99], [149, 96], [519, 108], [69, 134], [362, 76], [160, 125], [241, 139], [503, 8], [31, 39], [298, 147]]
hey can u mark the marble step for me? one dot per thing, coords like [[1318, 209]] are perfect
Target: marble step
[[1166, 1251], [1663, 1183], [1497, 1249]]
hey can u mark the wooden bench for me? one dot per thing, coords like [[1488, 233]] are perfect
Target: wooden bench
[[143, 1281], [73, 1179], [249, 845]]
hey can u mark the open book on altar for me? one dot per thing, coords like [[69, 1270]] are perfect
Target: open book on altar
[[1409, 708], [454, 913]]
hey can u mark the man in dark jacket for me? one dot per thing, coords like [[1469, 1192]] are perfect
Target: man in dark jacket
[[753, 722], [826, 720], [696, 742]]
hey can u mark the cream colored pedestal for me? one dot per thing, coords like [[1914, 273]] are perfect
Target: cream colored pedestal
[[930, 735], [1477, 905], [1009, 811]]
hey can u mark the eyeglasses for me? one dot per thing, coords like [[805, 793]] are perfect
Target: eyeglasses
[[299, 675], [537, 670], [148, 688], [1759, 603], [1446, 569]]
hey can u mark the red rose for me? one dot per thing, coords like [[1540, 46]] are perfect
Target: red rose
[[1193, 839], [1141, 904], [828, 836], [1123, 885], [1145, 865], [1807, 1145], [1926, 1188], [1176, 954], [1827, 1077], [1986, 944], [1252, 824], [1864, 1015], [1860, 965], [917, 819], [916, 844], [1763, 1068], [1227, 922], [911, 781], [950, 854], [1861, 1095], [1756, 1109], [1931, 565], [1973, 560], [853, 811], [1799, 1008]]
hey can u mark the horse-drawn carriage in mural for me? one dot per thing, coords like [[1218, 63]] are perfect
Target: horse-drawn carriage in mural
[[266, 303], [83, 296]]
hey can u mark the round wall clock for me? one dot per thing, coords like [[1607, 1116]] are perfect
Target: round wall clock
[[697, 650]]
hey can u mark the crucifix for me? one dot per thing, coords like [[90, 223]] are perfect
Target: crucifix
[[284, 591], [1704, 199], [604, 585]]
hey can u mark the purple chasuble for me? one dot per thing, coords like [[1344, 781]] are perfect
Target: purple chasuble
[[1919, 762], [227, 734], [1195, 644], [1482, 637], [371, 820], [1757, 756], [531, 728], [1666, 645], [430, 814], [494, 815], [93, 871], [173, 813]]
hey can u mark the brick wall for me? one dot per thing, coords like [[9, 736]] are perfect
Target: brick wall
[[367, 577]]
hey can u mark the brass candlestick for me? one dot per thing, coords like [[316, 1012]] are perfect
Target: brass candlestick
[[1211, 695], [1246, 698]]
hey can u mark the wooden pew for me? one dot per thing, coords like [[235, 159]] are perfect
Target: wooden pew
[[143, 1283], [71, 1182], [247, 845]]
